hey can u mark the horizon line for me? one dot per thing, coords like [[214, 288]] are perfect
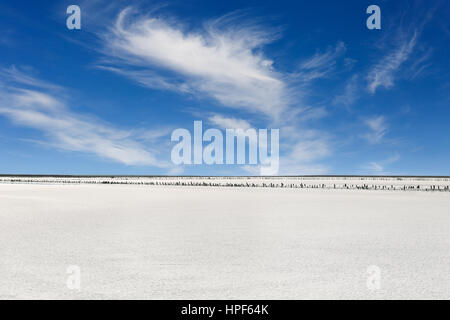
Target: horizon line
[[216, 176]]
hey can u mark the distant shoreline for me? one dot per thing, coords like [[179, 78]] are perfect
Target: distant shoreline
[[213, 176], [386, 183]]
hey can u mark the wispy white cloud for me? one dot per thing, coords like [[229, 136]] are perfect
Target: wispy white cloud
[[304, 151], [310, 113], [383, 73], [374, 167], [64, 129], [310, 150], [152, 135], [420, 64], [229, 123], [221, 60], [150, 79], [23, 76], [323, 60], [407, 56], [379, 167], [377, 129], [350, 94], [321, 64]]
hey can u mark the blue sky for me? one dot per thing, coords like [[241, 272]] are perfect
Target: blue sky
[[105, 99]]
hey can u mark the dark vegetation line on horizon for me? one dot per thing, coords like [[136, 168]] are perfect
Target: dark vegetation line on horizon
[[214, 176]]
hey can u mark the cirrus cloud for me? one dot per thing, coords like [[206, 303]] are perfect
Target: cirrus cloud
[[220, 61], [25, 103]]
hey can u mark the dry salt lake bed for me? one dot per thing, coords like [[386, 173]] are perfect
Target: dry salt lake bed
[[225, 238]]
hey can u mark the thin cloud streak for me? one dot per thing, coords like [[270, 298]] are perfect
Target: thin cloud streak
[[350, 94], [378, 167], [383, 73], [320, 65], [324, 60], [378, 128], [66, 130], [229, 123]]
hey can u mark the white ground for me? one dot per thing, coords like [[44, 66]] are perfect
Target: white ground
[[157, 242]]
